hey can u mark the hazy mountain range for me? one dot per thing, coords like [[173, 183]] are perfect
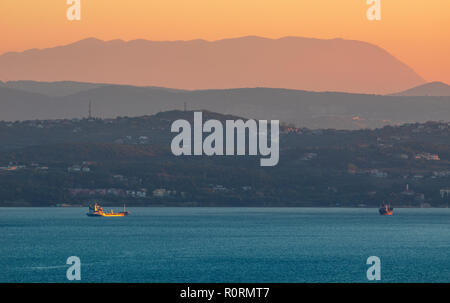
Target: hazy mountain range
[[26, 100], [289, 62]]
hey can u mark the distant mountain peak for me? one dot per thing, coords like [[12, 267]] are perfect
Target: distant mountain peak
[[88, 40], [435, 88]]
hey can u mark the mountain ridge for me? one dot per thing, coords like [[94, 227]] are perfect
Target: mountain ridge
[[289, 62], [302, 108]]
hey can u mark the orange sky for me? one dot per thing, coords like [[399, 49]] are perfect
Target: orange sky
[[415, 31]]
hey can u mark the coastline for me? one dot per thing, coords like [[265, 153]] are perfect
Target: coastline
[[223, 206]]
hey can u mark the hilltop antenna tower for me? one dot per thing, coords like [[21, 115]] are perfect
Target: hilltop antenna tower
[[90, 110], [185, 107]]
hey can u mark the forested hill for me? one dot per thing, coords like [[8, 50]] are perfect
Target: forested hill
[[50, 162]]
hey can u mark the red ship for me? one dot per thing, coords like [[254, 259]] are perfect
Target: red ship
[[386, 210]]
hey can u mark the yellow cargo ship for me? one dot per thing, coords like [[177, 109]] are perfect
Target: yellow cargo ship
[[97, 211]]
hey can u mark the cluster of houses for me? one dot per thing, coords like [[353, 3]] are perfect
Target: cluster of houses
[[12, 167], [83, 167], [441, 174], [164, 193], [132, 140], [118, 192], [15, 167], [374, 172], [291, 130], [218, 188], [103, 192], [427, 156], [377, 173], [430, 127]]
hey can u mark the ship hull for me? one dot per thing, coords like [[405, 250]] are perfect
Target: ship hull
[[123, 214], [386, 212], [389, 213], [115, 215]]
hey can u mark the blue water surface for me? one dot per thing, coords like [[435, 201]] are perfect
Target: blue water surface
[[225, 245]]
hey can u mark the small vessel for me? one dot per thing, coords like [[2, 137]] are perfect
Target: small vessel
[[386, 210], [97, 211]]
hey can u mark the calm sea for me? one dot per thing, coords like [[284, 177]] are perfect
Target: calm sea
[[225, 245]]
